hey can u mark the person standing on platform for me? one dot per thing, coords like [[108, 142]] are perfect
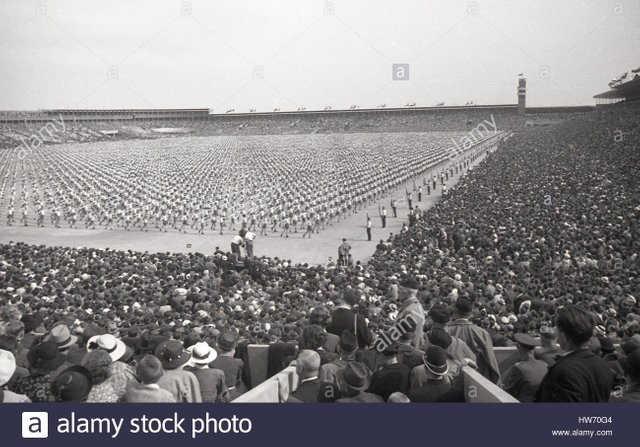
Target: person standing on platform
[[419, 193], [409, 198], [249, 237], [394, 207], [368, 227]]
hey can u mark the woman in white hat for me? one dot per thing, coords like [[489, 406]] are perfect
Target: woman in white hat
[[121, 373], [212, 381]]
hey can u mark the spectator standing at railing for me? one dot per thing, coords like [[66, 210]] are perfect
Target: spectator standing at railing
[[476, 338], [523, 378]]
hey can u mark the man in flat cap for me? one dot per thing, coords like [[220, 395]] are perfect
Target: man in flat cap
[[523, 379]]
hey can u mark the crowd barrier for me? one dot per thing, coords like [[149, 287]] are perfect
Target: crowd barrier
[[273, 389]]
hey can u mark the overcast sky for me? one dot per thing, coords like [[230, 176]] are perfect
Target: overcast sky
[[286, 54]]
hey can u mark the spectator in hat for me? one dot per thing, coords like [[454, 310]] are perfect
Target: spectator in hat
[[232, 367], [436, 386], [43, 360], [550, 349], [307, 368], [183, 385], [121, 373], [65, 341], [211, 380], [457, 349], [580, 375], [631, 368], [353, 380], [146, 389], [476, 338], [72, 385], [411, 309], [34, 330], [98, 363], [523, 378], [321, 316], [391, 375], [344, 318], [7, 370], [440, 337], [347, 348]]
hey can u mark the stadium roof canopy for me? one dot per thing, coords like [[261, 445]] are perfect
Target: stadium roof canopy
[[629, 91]]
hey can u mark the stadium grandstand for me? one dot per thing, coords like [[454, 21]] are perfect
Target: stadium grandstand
[[625, 87]]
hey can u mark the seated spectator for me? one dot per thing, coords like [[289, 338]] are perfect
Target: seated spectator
[[307, 368], [98, 363], [211, 380], [631, 368], [121, 373], [183, 385], [321, 316], [347, 347], [353, 380], [9, 343], [146, 389], [7, 370], [314, 338], [72, 385], [43, 360]]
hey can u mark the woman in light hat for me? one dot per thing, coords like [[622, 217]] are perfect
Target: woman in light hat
[[212, 380], [121, 373]]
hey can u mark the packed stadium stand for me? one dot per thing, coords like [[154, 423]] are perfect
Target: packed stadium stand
[[536, 245]]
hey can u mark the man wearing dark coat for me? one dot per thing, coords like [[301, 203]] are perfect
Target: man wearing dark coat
[[307, 367], [580, 375], [476, 338]]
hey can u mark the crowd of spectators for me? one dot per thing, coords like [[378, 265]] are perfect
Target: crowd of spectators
[[535, 247]]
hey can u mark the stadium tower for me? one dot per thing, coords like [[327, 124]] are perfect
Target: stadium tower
[[522, 95]]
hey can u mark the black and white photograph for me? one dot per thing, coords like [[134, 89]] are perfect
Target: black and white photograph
[[319, 201]]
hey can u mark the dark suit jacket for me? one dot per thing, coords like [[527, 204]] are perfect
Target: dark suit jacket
[[307, 391], [580, 376], [342, 319], [389, 379]]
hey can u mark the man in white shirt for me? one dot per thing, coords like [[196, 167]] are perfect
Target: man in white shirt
[[249, 237], [236, 243]]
